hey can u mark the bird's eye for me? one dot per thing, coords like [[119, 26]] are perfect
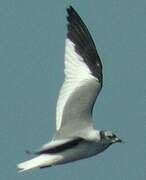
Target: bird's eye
[[112, 136]]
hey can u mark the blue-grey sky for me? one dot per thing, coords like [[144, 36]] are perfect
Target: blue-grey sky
[[32, 35]]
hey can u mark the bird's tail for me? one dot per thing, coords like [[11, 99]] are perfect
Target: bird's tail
[[41, 161]]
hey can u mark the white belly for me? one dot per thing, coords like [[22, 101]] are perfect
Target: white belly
[[81, 151]]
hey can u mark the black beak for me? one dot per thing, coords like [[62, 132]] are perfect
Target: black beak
[[118, 140]]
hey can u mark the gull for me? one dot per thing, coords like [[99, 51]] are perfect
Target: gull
[[75, 137]]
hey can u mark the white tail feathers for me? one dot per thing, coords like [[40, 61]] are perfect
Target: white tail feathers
[[38, 162]]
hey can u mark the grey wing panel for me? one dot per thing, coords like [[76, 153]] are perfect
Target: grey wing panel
[[77, 114]]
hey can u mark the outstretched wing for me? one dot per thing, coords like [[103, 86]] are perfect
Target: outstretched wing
[[83, 79]]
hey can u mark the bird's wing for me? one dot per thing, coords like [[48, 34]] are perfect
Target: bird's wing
[[58, 146], [83, 79]]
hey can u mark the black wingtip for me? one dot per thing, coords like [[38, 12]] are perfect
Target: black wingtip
[[79, 34], [71, 10]]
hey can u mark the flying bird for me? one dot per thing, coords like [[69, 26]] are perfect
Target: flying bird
[[75, 137]]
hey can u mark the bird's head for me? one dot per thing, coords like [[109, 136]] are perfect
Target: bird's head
[[108, 137]]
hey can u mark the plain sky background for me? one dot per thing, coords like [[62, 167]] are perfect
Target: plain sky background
[[32, 35]]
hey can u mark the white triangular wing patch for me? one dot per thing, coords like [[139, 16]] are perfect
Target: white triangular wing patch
[[76, 73]]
